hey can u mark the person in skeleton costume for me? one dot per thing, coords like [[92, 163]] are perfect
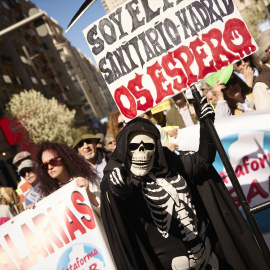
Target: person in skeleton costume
[[164, 211]]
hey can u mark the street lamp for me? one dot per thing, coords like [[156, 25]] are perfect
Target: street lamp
[[35, 14]]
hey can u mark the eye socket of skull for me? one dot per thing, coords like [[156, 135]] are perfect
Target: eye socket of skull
[[141, 152]]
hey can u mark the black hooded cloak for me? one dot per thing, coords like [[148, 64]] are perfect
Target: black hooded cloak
[[125, 216]]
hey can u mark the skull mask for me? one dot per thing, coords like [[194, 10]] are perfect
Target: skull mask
[[141, 152]]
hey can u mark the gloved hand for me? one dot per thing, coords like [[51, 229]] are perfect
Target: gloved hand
[[205, 110], [116, 178], [120, 183]]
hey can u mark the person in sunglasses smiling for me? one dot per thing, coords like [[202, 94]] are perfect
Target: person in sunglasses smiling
[[86, 144]]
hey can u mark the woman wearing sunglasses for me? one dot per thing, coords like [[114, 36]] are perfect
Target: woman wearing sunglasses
[[235, 97], [57, 164]]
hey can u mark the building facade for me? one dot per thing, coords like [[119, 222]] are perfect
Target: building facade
[[47, 63]]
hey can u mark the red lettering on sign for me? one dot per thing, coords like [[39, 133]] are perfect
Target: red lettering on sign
[[218, 50], [200, 55], [72, 223], [130, 112], [235, 32], [262, 161], [224, 176], [178, 54], [155, 72], [174, 73], [93, 266], [5, 261], [239, 170], [254, 190], [57, 225], [245, 163], [77, 200], [33, 243], [45, 231], [192, 59], [135, 84]]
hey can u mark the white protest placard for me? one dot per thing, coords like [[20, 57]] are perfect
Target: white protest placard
[[150, 50], [62, 232]]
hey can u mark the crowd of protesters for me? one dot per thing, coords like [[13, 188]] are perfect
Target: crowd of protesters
[[247, 89], [52, 165]]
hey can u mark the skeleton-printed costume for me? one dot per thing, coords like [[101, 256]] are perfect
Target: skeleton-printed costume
[[178, 215]]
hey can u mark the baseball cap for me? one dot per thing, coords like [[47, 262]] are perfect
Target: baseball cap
[[25, 164]]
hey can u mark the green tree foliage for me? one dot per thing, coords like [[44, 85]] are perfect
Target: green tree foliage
[[42, 118]]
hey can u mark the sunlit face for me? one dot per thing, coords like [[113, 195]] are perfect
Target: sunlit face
[[57, 170], [211, 97], [121, 122], [88, 150]]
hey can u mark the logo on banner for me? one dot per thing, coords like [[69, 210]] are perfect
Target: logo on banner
[[252, 168], [81, 257]]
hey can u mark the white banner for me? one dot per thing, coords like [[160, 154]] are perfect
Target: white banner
[[246, 140], [150, 50], [62, 233]]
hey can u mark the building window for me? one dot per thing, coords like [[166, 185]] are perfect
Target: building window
[[74, 78], [68, 65]]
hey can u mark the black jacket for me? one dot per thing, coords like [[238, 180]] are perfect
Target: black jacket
[[232, 239]]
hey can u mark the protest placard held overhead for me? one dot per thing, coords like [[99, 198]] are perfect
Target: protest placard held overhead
[[149, 50]]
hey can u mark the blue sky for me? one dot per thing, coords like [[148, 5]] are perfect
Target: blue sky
[[64, 10]]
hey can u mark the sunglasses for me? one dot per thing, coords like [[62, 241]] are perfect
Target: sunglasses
[[52, 162], [81, 143], [147, 146], [231, 81], [121, 124], [240, 61], [23, 172]]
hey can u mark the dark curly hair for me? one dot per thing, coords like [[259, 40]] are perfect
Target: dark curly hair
[[75, 164]]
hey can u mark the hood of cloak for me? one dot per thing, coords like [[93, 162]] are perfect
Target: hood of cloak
[[121, 151]]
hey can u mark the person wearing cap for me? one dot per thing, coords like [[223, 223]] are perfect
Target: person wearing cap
[[25, 170], [23, 187], [86, 144]]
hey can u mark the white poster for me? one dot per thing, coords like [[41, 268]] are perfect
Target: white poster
[[62, 233], [150, 50]]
